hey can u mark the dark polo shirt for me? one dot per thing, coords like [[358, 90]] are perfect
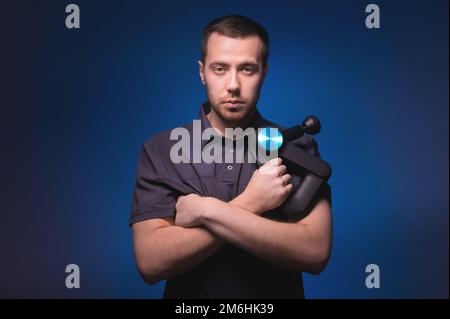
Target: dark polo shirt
[[231, 272]]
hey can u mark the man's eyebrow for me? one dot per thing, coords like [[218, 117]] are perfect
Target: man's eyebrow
[[248, 63], [245, 63], [218, 63]]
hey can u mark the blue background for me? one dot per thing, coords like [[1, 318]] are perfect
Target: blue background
[[77, 104]]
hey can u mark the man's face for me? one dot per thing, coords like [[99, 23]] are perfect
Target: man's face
[[233, 75]]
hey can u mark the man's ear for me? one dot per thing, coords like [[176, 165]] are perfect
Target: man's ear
[[201, 69]]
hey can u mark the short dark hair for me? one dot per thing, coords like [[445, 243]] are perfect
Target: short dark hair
[[236, 26]]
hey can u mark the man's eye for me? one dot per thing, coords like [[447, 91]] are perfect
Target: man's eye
[[219, 69], [248, 70]]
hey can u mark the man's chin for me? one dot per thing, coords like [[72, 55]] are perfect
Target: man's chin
[[233, 119]]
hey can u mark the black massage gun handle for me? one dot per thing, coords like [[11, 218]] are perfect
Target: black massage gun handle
[[313, 173], [298, 204]]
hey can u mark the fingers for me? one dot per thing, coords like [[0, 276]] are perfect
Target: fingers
[[281, 170], [285, 179], [276, 161], [273, 162], [289, 188], [272, 167]]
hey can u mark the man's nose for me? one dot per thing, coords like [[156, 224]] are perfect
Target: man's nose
[[234, 86]]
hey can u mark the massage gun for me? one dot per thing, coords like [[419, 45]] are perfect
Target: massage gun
[[308, 172]]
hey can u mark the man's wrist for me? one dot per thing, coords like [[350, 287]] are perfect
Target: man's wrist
[[245, 202], [206, 209]]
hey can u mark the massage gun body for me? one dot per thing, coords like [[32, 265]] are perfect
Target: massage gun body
[[308, 172]]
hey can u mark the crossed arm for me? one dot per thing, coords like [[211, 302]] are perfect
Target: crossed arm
[[166, 247]]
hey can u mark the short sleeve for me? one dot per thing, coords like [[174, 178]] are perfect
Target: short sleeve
[[152, 197]]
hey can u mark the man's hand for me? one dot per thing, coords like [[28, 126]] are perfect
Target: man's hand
[[190, 209], [268, 188]]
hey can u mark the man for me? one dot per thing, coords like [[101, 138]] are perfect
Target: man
[[212, 230]]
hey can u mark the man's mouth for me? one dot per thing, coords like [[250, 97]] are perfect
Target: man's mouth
[[233, 103]]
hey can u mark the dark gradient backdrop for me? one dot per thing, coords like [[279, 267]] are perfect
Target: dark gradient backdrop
[[77, 104]]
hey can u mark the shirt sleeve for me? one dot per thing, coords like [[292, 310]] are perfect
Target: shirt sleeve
[[153, 196]]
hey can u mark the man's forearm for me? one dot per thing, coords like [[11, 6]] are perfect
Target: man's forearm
[[289, 245], [174, 249]]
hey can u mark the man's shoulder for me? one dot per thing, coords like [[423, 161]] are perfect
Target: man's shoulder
[[263, 122], [160, 143]]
